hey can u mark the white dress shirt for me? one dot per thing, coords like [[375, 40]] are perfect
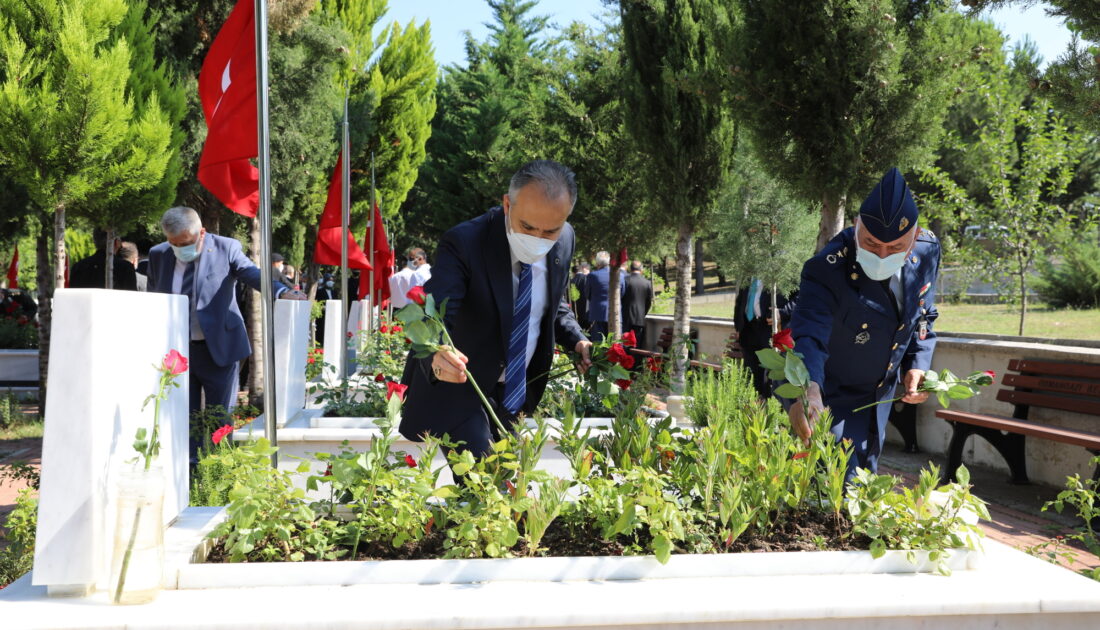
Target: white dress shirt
[[539, 299], [177, 288], [400, 283]]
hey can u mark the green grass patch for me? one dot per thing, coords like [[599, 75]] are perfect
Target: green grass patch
[[997, 319], [31, 429]]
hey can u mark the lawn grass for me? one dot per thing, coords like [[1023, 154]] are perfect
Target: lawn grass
[[20, 430], [997, 319]]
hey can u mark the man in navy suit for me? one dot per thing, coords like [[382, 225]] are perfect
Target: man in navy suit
[[863, 320], [504, 275], [206, 267], [596, 293]]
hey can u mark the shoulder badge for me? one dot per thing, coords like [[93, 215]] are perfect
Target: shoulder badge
[[927, 233]]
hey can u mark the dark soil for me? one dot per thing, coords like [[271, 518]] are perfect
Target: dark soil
[[801, 531]]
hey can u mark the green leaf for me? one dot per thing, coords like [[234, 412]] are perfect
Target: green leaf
[[662, 548], [410, 313], [776, 375], [962, 475], [770, 359], [960, 391], [795, 370], [787, 390]]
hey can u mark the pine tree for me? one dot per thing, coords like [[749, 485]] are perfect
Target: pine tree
[[836, 93], [688, 137], [69, 131]]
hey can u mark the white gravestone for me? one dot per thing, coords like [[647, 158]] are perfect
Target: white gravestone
[[291, 350], [334, 341], [103, 346]]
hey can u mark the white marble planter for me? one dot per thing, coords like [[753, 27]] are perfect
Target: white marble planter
[[19, 367]]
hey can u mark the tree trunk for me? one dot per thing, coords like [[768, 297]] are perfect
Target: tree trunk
[[59, 256], [614, 303], [109, 263], [700, 275], [681, 317], [832, 219], [255, 327], [44, 277], [1023, 302]]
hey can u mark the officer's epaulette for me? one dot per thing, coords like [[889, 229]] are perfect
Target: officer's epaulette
[[927, 235], [836, 257]]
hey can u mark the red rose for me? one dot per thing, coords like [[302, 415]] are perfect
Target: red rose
[[782, 340], [220, 434], [410, 462], [654, 364], [174, 363], [801, 455], [416, 295], [396, 329], [395, 388], [990, 373], [311, 360], [384, 329], [378, 378], [617, 355], [630, 340], [350, 335], [624, 383]]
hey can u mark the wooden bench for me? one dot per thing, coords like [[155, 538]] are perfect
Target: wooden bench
[[1045, 384], [733, 350]]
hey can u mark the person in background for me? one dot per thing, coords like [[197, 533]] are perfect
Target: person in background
[[577, 283], [129, 252], [88, 272], [637, 300], [752, 318], [596, 295], [206, 268], [278, 269], [422, 271], [403, 280]]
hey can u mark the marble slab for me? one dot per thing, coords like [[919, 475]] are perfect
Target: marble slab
[[335, 341], [103, 346], [291, 350]]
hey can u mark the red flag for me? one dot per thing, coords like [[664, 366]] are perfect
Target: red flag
[[13, 269], [382, 259], [326, 251], [227, 89]]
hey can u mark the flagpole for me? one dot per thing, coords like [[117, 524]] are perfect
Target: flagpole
[[373, 253], [264, 217], [345, 219]]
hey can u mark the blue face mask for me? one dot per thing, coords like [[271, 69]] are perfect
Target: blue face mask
[[187, 253], [879, 268]]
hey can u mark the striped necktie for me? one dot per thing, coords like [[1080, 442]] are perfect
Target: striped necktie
[[515, 375]]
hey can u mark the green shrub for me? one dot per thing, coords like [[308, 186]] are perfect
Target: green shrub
[[18, 556], [1075, 283], [719, 394], [18, 333]]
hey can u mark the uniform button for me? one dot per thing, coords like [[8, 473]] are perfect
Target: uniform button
[[895, 347], [865, 327], [855, 276], [902, 326], [890, 367], [880, 383]]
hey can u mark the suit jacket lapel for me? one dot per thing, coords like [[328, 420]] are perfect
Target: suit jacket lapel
[[499, 259]]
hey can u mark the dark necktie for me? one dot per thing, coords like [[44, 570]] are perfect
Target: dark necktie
[[187, 287], [515, 374], [893, 296]]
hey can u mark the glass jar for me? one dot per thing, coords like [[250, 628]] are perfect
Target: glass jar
[[137, 564]]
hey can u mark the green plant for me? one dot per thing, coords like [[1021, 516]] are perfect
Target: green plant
[[1081, 495], [922, 518], [719, 394], [315, 362], [10, 412], [219, 470], [18, 333], [1075, 282], [17, 557], [383, 351], [355, 397], [205, 421]]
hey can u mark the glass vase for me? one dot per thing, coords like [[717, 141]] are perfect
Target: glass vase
[[137, 564]]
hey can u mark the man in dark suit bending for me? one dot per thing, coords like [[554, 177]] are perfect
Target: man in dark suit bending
[[504, 275]]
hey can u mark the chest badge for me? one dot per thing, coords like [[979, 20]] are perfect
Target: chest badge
[[925, 288], [863, 337]]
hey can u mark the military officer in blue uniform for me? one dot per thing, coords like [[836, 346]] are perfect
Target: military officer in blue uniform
[[863, 321]]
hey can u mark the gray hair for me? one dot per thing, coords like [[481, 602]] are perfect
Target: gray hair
[[555, 178], [179, 220], [603, 259]]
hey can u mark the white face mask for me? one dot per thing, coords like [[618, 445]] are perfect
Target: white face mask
[[528, 249], [879, 268]]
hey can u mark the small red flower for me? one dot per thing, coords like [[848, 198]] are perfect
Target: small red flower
[[801, 455], [654, 364], [328, 471], [410, 462], [624, 383], [416, 295], [350, 335], [220, 434], [990, 373], [384, 329], [396, 329], [630, 340], [380, 377], [617, 354], [393, 388], [174, 363], [783, 340], [310, 360]]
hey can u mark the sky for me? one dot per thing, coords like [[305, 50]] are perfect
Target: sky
[[450, 18]]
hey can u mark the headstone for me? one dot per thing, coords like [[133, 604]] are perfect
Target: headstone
[[335, 341], [103, 346], [291, 350]]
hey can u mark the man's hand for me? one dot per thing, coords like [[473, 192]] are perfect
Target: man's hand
[[584, 348], [913, 380], [449, 365], [802, 422], [291, 294]]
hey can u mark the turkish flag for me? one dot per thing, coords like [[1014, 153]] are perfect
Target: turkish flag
[[227, 89], [326, 251], [382, 261], [620, 258], [13, 270]]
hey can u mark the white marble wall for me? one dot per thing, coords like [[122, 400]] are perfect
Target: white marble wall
[[103, 346], [291, 350]]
